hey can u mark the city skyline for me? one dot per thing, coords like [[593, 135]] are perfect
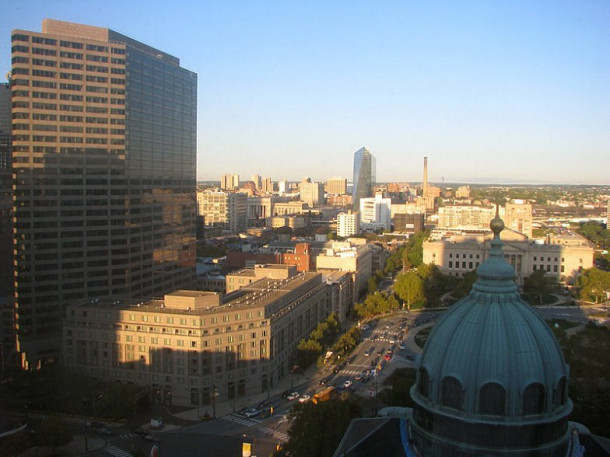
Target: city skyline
[[291, 90]]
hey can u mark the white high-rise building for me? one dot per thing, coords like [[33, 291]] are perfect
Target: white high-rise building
[[376, 213], [348, 224]]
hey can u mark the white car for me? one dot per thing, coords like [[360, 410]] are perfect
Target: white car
[[293, 396], [401, 346], [304, 398], [347, 383]]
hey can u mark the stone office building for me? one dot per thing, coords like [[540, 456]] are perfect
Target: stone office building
[[191, 344]]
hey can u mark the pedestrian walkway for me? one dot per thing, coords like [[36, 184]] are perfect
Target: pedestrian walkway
[[245, 421], [277, 435]]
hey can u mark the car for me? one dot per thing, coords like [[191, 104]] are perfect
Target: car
[[379, 352], [339, 367], [402, 346], [325, 381], [304, 398], [365, 327], [388, 357], [368, 352], [347, 384], [252, 412], [360, 375], [293, 396], [286, 393], [103, 431], [410, 357], [264, 404]]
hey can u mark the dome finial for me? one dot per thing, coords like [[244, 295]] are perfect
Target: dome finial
[[497, 224]]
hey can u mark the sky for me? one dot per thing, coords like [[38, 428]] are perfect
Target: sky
[[506, 91]]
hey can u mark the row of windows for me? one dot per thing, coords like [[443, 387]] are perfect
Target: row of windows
[[79, 108], [464, 256], [470, 266], [492, 396]]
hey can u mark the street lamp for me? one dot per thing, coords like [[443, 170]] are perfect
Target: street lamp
[[214, 395]]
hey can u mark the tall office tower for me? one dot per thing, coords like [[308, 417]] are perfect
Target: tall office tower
[[229, 182], [7, 338], [267, 185], [282, 187], [104, 153], [311, 193], [364, 176], [336, 186], [257, 181]]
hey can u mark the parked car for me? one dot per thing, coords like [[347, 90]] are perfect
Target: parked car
[[286, 393], [304, 398], [293, 396], [252, 412]]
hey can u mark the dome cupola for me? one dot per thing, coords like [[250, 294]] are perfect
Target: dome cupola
[[491, 379]]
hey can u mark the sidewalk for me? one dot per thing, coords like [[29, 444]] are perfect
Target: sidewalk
[[227, 406]]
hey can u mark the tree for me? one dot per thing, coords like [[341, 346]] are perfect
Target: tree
[[15, 444], [536, 285], [317, 430], [465, 285], [53, 433], [594, 285], [410, 287]]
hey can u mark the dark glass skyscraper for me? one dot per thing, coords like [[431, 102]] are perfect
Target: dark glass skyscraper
[[364, 176], [104, 152]]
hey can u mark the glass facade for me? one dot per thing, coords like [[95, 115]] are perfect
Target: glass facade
[[364, 176], [104, 133]]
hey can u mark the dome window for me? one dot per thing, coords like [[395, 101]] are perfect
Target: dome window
[[452, 393], [424, 382], [533, 399], [492, 399], [560, 392]]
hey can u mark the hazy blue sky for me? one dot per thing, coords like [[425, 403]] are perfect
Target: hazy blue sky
[[490, 91]]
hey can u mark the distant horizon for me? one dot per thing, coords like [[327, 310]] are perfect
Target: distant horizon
[[457, 183], [498, 92]]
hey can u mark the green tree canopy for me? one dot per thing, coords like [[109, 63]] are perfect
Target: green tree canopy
[[410, 288], [594, 284], [317, 430], [53, 433], [536, 285]]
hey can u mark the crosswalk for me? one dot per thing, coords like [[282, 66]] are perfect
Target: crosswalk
[[246, 422], [117, 452], [277, 435], [126, 436]]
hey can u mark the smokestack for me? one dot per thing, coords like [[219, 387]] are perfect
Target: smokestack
[[425, 184]]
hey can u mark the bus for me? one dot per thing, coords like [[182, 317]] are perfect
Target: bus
[[323, 395]]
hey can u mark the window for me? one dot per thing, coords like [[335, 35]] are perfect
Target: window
[[492, 399], [533, 399], [424, 382], [559, 397], [452, 394]]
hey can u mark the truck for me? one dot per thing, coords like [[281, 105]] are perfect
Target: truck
[[323, 395]]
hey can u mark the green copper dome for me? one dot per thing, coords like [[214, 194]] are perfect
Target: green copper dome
[[491, 379]]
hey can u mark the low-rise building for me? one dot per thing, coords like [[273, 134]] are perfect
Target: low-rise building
[[241, 278], [457, 254], [357, 259], [192, 348]]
